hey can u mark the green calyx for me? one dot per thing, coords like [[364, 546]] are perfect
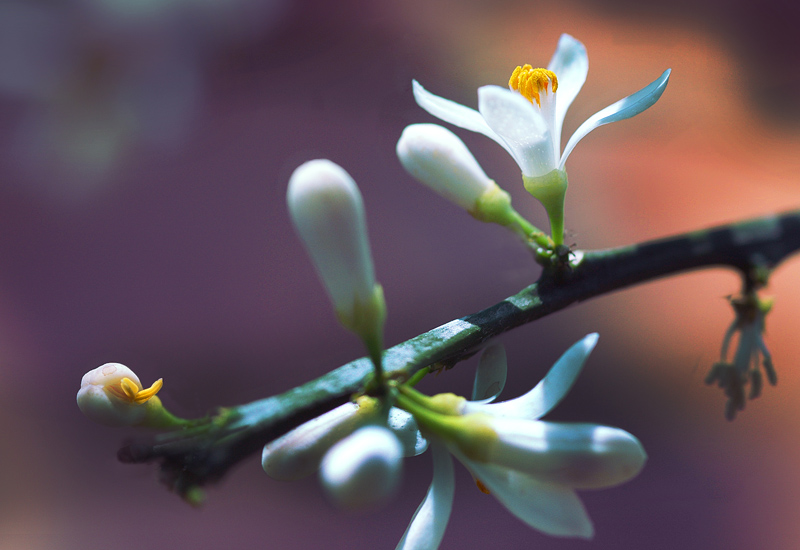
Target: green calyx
[[550, 189], [438, 415], [158, 417], [366, 319], [494, 206]]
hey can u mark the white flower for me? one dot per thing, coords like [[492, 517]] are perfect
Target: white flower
[[438, 158], [112, 395], [526, 120], [363, 470], [532, 467], [328, 213]]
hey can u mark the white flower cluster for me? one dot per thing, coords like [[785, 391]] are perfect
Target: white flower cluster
[[531, 466]]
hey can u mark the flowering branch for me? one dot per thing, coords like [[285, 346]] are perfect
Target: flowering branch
[[192, 457]]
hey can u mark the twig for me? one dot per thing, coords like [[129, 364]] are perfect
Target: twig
[[192, 459]]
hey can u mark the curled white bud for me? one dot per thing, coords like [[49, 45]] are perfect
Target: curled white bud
[[438, 158], [363, 470], [298, 453], [328, 214], [112, 395]]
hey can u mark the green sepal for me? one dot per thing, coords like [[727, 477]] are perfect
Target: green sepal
[[550, 189]]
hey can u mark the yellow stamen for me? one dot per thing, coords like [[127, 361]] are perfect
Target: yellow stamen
[[482, 487], [531, 82], [135, 395], [129, 388]]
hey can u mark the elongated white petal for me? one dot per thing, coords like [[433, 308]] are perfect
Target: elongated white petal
[[490, 378], [549, 391], [407, 431], [452, 112], [524, 133], [438, 158], [571, 65], [298, 453], [427, 526], [622, 109], [328, 213], [552, 509], [363, 470], [582, 456]]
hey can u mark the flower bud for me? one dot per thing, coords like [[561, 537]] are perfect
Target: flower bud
[[363, 470], [112, 395], [438, 158], [328, 214], [298, 453]]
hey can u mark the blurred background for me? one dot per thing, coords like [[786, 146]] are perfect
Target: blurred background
[[145, 149]]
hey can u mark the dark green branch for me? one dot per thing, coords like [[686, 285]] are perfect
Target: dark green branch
[[193, 458]]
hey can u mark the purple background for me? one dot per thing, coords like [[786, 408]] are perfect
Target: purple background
[[175, 256]]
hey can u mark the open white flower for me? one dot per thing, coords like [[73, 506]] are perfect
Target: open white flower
[[532, 467], [526, 119]]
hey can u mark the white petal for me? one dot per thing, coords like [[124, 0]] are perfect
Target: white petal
[[490, 378], [571, 64], [405, 428], [363, 470], [549, 391], [101, 407], [582, 456], [622, 109], [452, 112], [328, 213], [427, 527], [551, 509], [439, 159], [524, 133], [109, 374], [297, 454]]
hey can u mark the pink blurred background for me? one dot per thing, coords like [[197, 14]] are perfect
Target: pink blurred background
[[144, 156]]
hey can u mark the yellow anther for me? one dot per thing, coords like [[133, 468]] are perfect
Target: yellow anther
[[483, 489], [531, 82], [129, 388], [146, 395], [135, 395]]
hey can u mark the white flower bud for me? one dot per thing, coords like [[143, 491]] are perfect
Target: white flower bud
[[363, 470], [112, 395], [438, 158], [298, 453], [328, 213]]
